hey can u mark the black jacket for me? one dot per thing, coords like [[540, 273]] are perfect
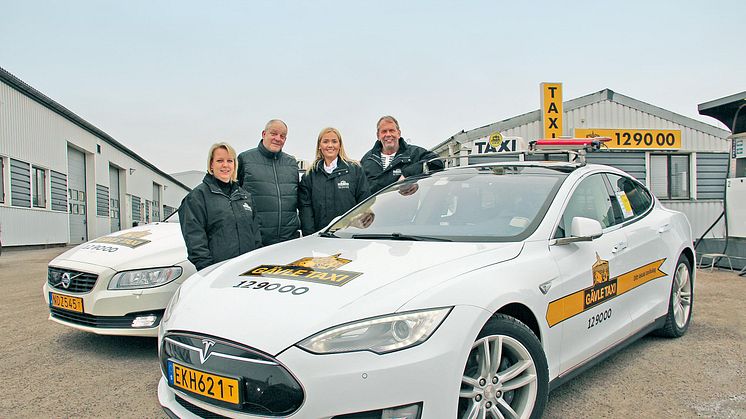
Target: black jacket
[[407, 161], [323, 196], [272, 179], [216, 226]]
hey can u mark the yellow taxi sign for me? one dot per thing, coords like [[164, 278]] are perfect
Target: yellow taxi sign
[[551, 109], [639, 139]]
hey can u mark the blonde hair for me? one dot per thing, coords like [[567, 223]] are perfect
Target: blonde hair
[[342, 153], [231, 152]]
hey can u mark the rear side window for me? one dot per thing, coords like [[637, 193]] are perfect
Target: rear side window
[[633, 199]]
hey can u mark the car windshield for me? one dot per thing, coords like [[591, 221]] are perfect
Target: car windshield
[[488, 203]]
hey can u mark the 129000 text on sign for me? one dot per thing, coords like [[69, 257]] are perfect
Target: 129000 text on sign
[[650, 139]]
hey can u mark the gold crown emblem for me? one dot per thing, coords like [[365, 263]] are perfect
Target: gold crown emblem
[[326, 262]]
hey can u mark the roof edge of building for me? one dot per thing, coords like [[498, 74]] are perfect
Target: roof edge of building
[[572, 104], [52, 105]]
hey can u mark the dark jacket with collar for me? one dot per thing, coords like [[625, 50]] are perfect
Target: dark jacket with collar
[[323, 196], [217, 226], [272, 180], [407, 162]]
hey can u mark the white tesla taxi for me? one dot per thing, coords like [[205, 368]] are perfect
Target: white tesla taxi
[[119, 284], [467, 293]]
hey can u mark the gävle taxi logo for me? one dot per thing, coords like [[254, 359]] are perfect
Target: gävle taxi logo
[[321, 270], [603, 288], [132, 239]]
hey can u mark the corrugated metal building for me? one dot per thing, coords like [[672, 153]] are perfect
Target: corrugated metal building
[[62, 180], [689, 177]]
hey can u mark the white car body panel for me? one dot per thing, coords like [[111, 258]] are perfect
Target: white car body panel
[[408, 271], [477, 279], [164, 246]]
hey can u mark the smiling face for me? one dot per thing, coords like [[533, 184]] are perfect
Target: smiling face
[[222, 165], [388, 135], [329, 144], [274, 136]]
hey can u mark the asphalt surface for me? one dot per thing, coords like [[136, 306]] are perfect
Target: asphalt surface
[[49, 370]]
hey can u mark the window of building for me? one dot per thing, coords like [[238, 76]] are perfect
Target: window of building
[[156, 202], [20, 183], [669, 176], [2, 180], [39, 181]]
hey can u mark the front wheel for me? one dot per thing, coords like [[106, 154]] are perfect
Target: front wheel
[[506, 374], [680, 301]]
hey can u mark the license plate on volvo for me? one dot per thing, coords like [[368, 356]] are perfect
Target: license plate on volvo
[[214, 386], [66, 302]]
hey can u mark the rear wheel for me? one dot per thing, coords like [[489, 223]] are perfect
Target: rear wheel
[[680, 301], [506, 373]]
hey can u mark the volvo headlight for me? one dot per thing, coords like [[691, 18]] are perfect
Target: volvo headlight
[[380, 334], [145, 278]]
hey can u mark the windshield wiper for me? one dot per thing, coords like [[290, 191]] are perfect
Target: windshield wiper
[[399, 236], [328, 234]]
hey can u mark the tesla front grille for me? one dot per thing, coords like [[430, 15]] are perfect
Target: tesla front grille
[[267, 388], [69, 280]]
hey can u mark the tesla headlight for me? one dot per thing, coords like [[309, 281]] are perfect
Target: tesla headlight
[[171, 305], [145, 278], [379, 334]]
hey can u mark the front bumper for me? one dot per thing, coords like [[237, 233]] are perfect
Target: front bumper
[[111, 312], [338, 384]]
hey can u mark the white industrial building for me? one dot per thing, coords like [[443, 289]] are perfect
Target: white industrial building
[[687, 174], [62, 180]]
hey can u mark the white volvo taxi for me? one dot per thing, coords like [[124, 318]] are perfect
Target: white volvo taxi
[[119, 284], [467, 293]]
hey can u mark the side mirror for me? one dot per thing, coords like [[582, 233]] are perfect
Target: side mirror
[[582, 230]]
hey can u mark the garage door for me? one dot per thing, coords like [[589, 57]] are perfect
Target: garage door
[[77, 195], [114, 207]]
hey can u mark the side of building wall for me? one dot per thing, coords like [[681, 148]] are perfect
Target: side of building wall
[[38, 136]]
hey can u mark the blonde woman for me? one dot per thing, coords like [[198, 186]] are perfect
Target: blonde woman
[[332, 185], [217, 217]]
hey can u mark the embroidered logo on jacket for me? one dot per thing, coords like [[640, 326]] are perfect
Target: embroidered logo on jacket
[[343, 185]]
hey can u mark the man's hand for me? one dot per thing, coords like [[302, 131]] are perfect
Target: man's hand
[[363, 220]]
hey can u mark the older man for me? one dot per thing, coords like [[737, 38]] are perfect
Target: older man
[[271, 176], [391, 158]]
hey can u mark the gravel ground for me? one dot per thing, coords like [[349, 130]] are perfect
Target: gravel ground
[[49, 370]]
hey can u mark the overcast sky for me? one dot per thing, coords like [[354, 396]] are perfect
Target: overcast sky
[[169, 78]]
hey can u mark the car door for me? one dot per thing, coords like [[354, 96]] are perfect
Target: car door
[[583, 300], [646, 252]]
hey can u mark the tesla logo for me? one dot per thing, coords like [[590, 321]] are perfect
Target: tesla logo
[[206, 350]]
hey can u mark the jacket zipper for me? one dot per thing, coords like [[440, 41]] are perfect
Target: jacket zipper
[[279, 198]]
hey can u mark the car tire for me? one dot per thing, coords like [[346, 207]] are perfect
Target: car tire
[[680, 301], [517, 385]]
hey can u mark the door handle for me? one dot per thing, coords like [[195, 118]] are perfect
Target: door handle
[[619, 247], [664, 228]]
